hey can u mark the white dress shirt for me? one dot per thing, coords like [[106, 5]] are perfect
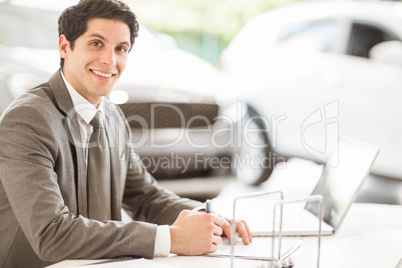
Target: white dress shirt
[[86, 112]]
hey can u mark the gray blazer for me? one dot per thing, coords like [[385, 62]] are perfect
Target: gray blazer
[[43, 190]]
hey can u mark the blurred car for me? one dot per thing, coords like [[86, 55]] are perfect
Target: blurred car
[[312, 71], [167, 94]]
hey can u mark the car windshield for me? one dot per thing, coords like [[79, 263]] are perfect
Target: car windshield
[[312, 35], [20, 26]]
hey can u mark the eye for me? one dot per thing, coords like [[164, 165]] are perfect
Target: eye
[[96, 44], [121, 49]]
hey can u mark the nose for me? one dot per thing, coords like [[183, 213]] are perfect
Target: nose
[[108, 57]]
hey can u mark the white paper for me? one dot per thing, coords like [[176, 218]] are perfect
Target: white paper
[[259, 249]]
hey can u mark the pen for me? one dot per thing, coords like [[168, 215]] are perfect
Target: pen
[[208, 206]]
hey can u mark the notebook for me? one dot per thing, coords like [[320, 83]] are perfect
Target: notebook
[[343, 175]]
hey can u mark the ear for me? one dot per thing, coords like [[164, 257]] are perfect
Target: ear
[[63, 46]]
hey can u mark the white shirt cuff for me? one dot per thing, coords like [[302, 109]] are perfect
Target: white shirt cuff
[[162, 241]]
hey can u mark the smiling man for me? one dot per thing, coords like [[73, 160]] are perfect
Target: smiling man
[[67, 166], [95, 61]]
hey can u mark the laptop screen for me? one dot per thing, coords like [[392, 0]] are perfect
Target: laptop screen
[[342, 178]]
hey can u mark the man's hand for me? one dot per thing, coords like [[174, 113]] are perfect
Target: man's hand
[[241, 228], [196, 233]]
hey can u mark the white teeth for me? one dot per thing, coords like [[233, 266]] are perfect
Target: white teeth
[[102, 74]]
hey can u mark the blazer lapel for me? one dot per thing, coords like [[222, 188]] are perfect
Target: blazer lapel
[[65, 104]]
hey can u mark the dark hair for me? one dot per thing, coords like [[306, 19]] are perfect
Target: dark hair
[[74, 20]]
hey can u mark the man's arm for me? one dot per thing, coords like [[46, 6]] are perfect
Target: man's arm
[[149, 201], [30, 156]]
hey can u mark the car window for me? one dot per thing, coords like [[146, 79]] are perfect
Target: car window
[[20, 26], [311, 35], [363, 37]]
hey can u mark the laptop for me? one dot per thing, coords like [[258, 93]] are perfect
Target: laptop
[[343, 175]]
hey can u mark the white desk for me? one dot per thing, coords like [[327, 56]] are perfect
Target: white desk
[[370, 237]]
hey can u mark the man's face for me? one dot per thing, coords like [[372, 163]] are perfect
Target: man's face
[[98, 58]]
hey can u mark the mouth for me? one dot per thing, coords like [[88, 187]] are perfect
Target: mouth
[[104, 75]]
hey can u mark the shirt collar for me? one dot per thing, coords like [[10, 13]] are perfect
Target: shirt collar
[[82, 106]]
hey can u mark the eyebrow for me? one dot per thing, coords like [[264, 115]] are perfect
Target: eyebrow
[[106, 40]]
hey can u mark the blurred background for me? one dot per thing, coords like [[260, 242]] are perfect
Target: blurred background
[[202, 27], [206, 76], [206, 29]]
